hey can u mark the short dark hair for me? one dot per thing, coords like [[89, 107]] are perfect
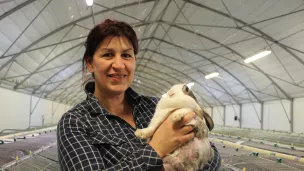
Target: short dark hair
[[101, 31]]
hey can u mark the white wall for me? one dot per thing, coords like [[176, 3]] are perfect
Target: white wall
[[231, 112], [58, 110], [251, 115], [218, 115], [298, 113], [43, 108], [274, 117], [15, 110]]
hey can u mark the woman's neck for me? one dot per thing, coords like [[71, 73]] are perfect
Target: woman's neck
[[115, 104]]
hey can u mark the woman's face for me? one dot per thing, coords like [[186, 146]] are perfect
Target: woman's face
[[113, 65]]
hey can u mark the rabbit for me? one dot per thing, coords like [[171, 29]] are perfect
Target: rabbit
[[197, 152]]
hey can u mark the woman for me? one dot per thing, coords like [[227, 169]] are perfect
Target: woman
[[98, 133]]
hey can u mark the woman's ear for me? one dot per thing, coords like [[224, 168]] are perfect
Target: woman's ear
[[89, 64]]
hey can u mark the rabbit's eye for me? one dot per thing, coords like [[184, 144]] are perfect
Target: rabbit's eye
[[187, 89]]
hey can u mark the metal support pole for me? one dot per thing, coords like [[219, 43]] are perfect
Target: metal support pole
[[240, 119], [31, 99], [224, 117], [52, 112], [291, 115], [262, 115]]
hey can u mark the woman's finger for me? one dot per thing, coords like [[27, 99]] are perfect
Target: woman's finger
[[186, 138], [187, 118], [186, 129]]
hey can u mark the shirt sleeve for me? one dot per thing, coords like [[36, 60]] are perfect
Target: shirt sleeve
[[215, 163], [76, 152]]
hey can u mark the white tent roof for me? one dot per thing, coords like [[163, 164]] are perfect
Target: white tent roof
[[180, 41]]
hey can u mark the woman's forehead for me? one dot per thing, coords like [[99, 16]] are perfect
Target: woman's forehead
[[116, 41]]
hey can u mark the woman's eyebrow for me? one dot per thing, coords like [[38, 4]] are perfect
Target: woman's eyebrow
[[128, 49], [110, 49], [106, 49]]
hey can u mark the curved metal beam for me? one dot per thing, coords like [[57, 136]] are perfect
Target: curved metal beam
[[232, 50], [161, 40], [151, 81], [179, 79], [60, 66], [172, 58], [257, 30], [166, 31], [55, 74], [63, 82], [44, 64], [184, 76], [42, 47], [172, 68], [48, 54], [70, 24], [171, 83], [148, 87], [12, 44], [256, 68], [65, 97], [16, 8], [214, 64], [64, 88]]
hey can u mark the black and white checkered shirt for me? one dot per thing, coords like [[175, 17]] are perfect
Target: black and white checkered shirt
[[90, 138]]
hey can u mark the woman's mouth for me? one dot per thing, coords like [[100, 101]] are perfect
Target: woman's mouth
[[116, 77]]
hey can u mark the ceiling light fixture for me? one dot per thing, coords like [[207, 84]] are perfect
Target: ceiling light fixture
[[89, 2], [257, 56], [214, 74]]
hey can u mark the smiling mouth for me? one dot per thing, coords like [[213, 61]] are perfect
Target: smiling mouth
[[117, 76]]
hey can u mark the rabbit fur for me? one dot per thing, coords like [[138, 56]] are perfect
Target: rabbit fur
[[194, 154]]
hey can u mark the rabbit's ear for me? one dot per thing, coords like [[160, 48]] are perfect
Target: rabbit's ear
[[192, 95], [185, 89], [209, 121], [189, 92]]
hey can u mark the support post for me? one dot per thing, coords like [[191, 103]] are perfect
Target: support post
[[291, 115], [240, 119], [224, 117], [262, 115], [30, 116], [52, 112]]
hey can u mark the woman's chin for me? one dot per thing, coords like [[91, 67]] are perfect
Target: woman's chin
[[118, 89]]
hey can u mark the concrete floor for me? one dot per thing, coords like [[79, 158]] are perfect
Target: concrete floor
[[232, 160]]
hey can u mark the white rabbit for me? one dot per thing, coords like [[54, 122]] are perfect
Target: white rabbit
[[196, 153]]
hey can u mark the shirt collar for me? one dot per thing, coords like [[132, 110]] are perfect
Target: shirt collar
[[94, 106]]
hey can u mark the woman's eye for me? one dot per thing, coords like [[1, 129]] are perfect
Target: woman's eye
[[106, 55], [126, 55]]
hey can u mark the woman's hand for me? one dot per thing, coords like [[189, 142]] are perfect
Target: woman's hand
[[170, 136]]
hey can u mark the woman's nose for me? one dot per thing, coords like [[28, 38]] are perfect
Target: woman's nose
[[118, 62]]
